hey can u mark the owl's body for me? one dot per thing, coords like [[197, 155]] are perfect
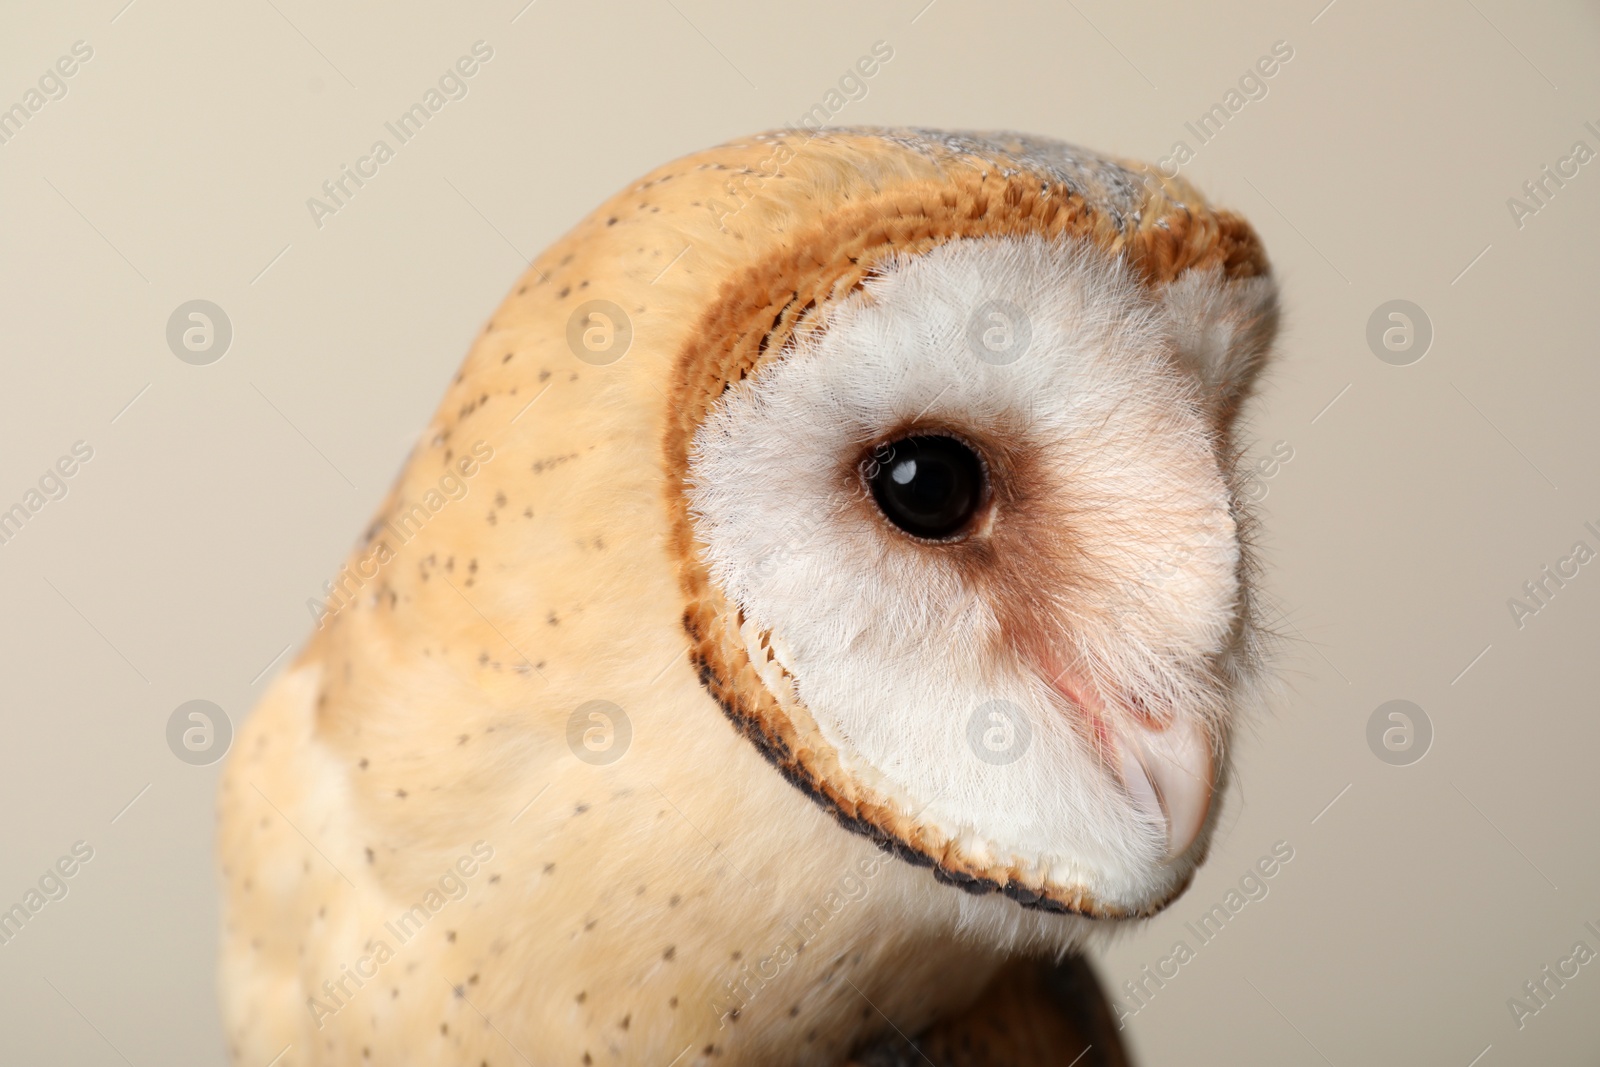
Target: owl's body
[[438, 848]]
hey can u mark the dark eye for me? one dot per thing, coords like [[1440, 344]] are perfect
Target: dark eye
[[929, 486]]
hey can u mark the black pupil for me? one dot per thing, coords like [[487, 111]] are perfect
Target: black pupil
[[929, 486]]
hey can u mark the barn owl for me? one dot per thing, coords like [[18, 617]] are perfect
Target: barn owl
[[822, 590]]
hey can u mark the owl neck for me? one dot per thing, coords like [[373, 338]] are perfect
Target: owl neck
[[716, 908], [681, 896]]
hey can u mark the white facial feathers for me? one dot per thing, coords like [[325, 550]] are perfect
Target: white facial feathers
[[999, 684]]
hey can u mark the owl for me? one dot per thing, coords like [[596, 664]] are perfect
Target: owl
[[819, 608]]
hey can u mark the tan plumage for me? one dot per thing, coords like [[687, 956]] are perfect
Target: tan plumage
[[615, 913]]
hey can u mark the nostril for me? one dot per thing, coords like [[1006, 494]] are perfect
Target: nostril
[[1162, 760], [1140, 711]]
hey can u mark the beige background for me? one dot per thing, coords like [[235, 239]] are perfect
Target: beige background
[[1377, 167]]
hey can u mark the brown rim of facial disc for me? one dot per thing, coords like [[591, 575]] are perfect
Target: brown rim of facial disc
[[755, 316]]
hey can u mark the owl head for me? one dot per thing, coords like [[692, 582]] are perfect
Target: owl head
[[961, 543]]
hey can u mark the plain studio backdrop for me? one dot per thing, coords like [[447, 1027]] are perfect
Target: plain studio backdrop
[[1406, 501]]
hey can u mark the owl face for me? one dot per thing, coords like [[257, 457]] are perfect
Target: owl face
[[983, 547]]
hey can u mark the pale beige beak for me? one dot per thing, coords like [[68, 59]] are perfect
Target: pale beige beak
[[1167, 769], [1169, 772]]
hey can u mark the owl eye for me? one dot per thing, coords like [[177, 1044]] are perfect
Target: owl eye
[[928, 485]]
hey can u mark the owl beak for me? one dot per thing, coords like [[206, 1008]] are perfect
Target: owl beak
[[1169, 770], [1166, 767]]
